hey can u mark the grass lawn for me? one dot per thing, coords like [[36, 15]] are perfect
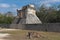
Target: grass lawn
[[21, 35]]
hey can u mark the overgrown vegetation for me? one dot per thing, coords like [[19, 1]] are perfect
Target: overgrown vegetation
[[49, 14], [4, 19]]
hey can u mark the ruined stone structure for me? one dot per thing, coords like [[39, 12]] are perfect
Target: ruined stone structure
[[27, 15]]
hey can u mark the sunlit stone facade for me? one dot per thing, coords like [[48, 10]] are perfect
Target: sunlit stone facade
[[27, 15]]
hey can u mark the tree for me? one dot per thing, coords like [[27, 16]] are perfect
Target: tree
[[6, 20], [49, 15]]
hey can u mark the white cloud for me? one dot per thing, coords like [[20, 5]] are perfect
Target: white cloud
[[3, 5], [55, 0], [47, 2]]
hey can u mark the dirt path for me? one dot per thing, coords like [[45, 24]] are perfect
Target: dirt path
[[4, 36], [13, 34], [17, 34]]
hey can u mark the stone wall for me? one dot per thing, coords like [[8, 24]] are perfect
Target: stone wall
[[5, 25], [50, 27]]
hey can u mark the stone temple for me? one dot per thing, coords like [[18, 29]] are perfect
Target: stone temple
[[27, 15]]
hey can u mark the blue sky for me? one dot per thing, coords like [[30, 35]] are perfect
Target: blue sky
[[12, 5]]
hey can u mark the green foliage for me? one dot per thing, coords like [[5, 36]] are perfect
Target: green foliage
[[8, 20], [49, 15], [5, 20]]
